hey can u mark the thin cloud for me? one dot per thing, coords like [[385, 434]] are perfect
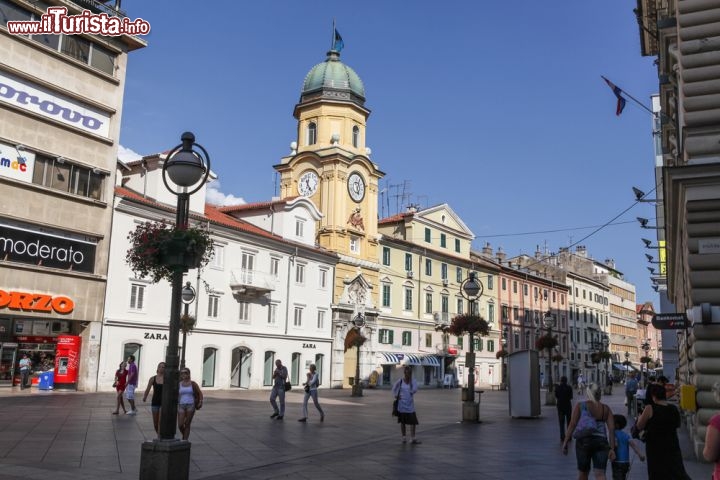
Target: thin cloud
[[216, 197], [126, 155]]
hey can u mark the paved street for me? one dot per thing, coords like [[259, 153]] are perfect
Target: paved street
[[73, 436]]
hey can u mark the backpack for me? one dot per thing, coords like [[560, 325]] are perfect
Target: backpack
[[587, 424]]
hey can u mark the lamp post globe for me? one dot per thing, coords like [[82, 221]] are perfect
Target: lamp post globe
[[188, 294], [184, 165]]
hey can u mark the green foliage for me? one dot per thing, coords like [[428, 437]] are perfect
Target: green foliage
[[152, 243]]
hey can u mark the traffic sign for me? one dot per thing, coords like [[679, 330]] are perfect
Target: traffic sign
[[670, 321]]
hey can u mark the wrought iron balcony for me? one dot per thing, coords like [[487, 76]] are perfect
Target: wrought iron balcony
[[111, 7], [252, 282]]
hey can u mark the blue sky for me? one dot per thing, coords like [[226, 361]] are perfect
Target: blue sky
[[496, 108]]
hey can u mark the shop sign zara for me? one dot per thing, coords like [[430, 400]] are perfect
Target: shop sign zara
[[42, 101]]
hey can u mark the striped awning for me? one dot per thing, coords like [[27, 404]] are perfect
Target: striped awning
[[397, 358]]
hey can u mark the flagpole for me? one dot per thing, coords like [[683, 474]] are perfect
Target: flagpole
[[631, 98], [332, 42]]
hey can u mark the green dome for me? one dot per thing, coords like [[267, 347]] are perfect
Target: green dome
[[333, 75]]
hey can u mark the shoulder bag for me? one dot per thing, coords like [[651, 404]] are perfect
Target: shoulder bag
[[288, 386], [196, 395], [587, 424]]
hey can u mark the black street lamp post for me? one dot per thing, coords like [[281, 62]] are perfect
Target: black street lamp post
[[503, 368], [549, 322], [646, 348], [471, 289], [168, 458], [627, 364], [188, 297], [359, 322]]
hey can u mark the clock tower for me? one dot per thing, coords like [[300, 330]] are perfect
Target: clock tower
[[330, 164]]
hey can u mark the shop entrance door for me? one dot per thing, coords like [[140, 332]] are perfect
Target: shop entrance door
[[8, 354], [241, 367]]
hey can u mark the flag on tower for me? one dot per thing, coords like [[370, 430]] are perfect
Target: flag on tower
[[618, 93], [338, 43]]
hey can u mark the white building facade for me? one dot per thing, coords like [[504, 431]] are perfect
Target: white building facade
[[262, 297]]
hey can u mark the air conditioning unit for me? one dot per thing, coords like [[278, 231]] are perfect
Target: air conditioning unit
[[410, 274], [445, 282]]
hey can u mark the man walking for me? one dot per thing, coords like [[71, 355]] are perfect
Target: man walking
[[280, 376], [564, 395], [25, 365], [631, 387], [132, 383]]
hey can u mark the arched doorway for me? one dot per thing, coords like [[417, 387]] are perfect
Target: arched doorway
[[241, 367]]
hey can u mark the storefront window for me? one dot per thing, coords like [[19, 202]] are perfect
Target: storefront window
[[268, 368], [208, 372]]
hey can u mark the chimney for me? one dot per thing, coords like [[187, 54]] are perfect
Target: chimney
[[412, 208], [609, 262], [581, 251], [538, 253], [487, 249], [500, 255]]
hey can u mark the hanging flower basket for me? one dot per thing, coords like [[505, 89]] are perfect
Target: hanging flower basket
[[605, 355], [158, 249], [546, 342], [595, 357], [501, 353], [354, 339], [557, 358], [474, 324], [645, 359], [187, 323]]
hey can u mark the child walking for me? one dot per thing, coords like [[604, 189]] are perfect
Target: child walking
[[623, 443]]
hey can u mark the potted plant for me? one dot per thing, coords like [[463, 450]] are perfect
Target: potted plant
[[158, 249], [468, 323], [501, 354], [557, 358], [546, 342], [187, 323]]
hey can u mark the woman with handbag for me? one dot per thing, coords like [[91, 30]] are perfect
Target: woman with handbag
[[404, 391], [311, 386], [190, 399], [595, 438], [120, 383], [660, 420]]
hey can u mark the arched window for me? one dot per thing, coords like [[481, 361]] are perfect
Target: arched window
[[268, 368], [133, 349], [208, 371], [312, 133], [356, 136], [295, 369]]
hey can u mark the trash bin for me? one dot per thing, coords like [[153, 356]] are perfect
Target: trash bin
[[46, 381], [351, 381]]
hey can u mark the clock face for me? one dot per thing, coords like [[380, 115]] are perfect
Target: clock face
[[308, 184], [356, 186]]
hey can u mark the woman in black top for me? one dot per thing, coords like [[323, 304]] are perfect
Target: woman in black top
[[156, 383], [660, 420]]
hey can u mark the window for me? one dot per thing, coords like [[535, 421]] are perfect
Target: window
[[295, 368], [457, 245], [386, 295], [319, 362], [428, 235], [428, 267], [504, 314], [503, 284], [59, 174], [460, 342], [244, 313], [477, 344], [491, 346], [76, 47], [213, 306], [527, 315], [355, 136], [247, 265], [322, 278], [137, 296], [407, 338], [514, 286], [460, 306], [516, 313], [297, 317], [428, 340], [474, 308], [385, 336], [300, 274], [321, 319], [218, 256], [516, 340], [311, 133], [354, 244], [443, 240], [444, 271], [408, 298], [444, 305], [274, 266], [428, 302], [408, 262], [490, 279], [272, 313], [491, 312], [458, 275], [208, 369], [386, 256], [299, 227], [268, 368]]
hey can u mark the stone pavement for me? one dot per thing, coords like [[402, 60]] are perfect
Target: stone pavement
[[70, 435]]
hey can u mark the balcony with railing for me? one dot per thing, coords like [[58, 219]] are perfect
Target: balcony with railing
[[110, 7], [251, 282]]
